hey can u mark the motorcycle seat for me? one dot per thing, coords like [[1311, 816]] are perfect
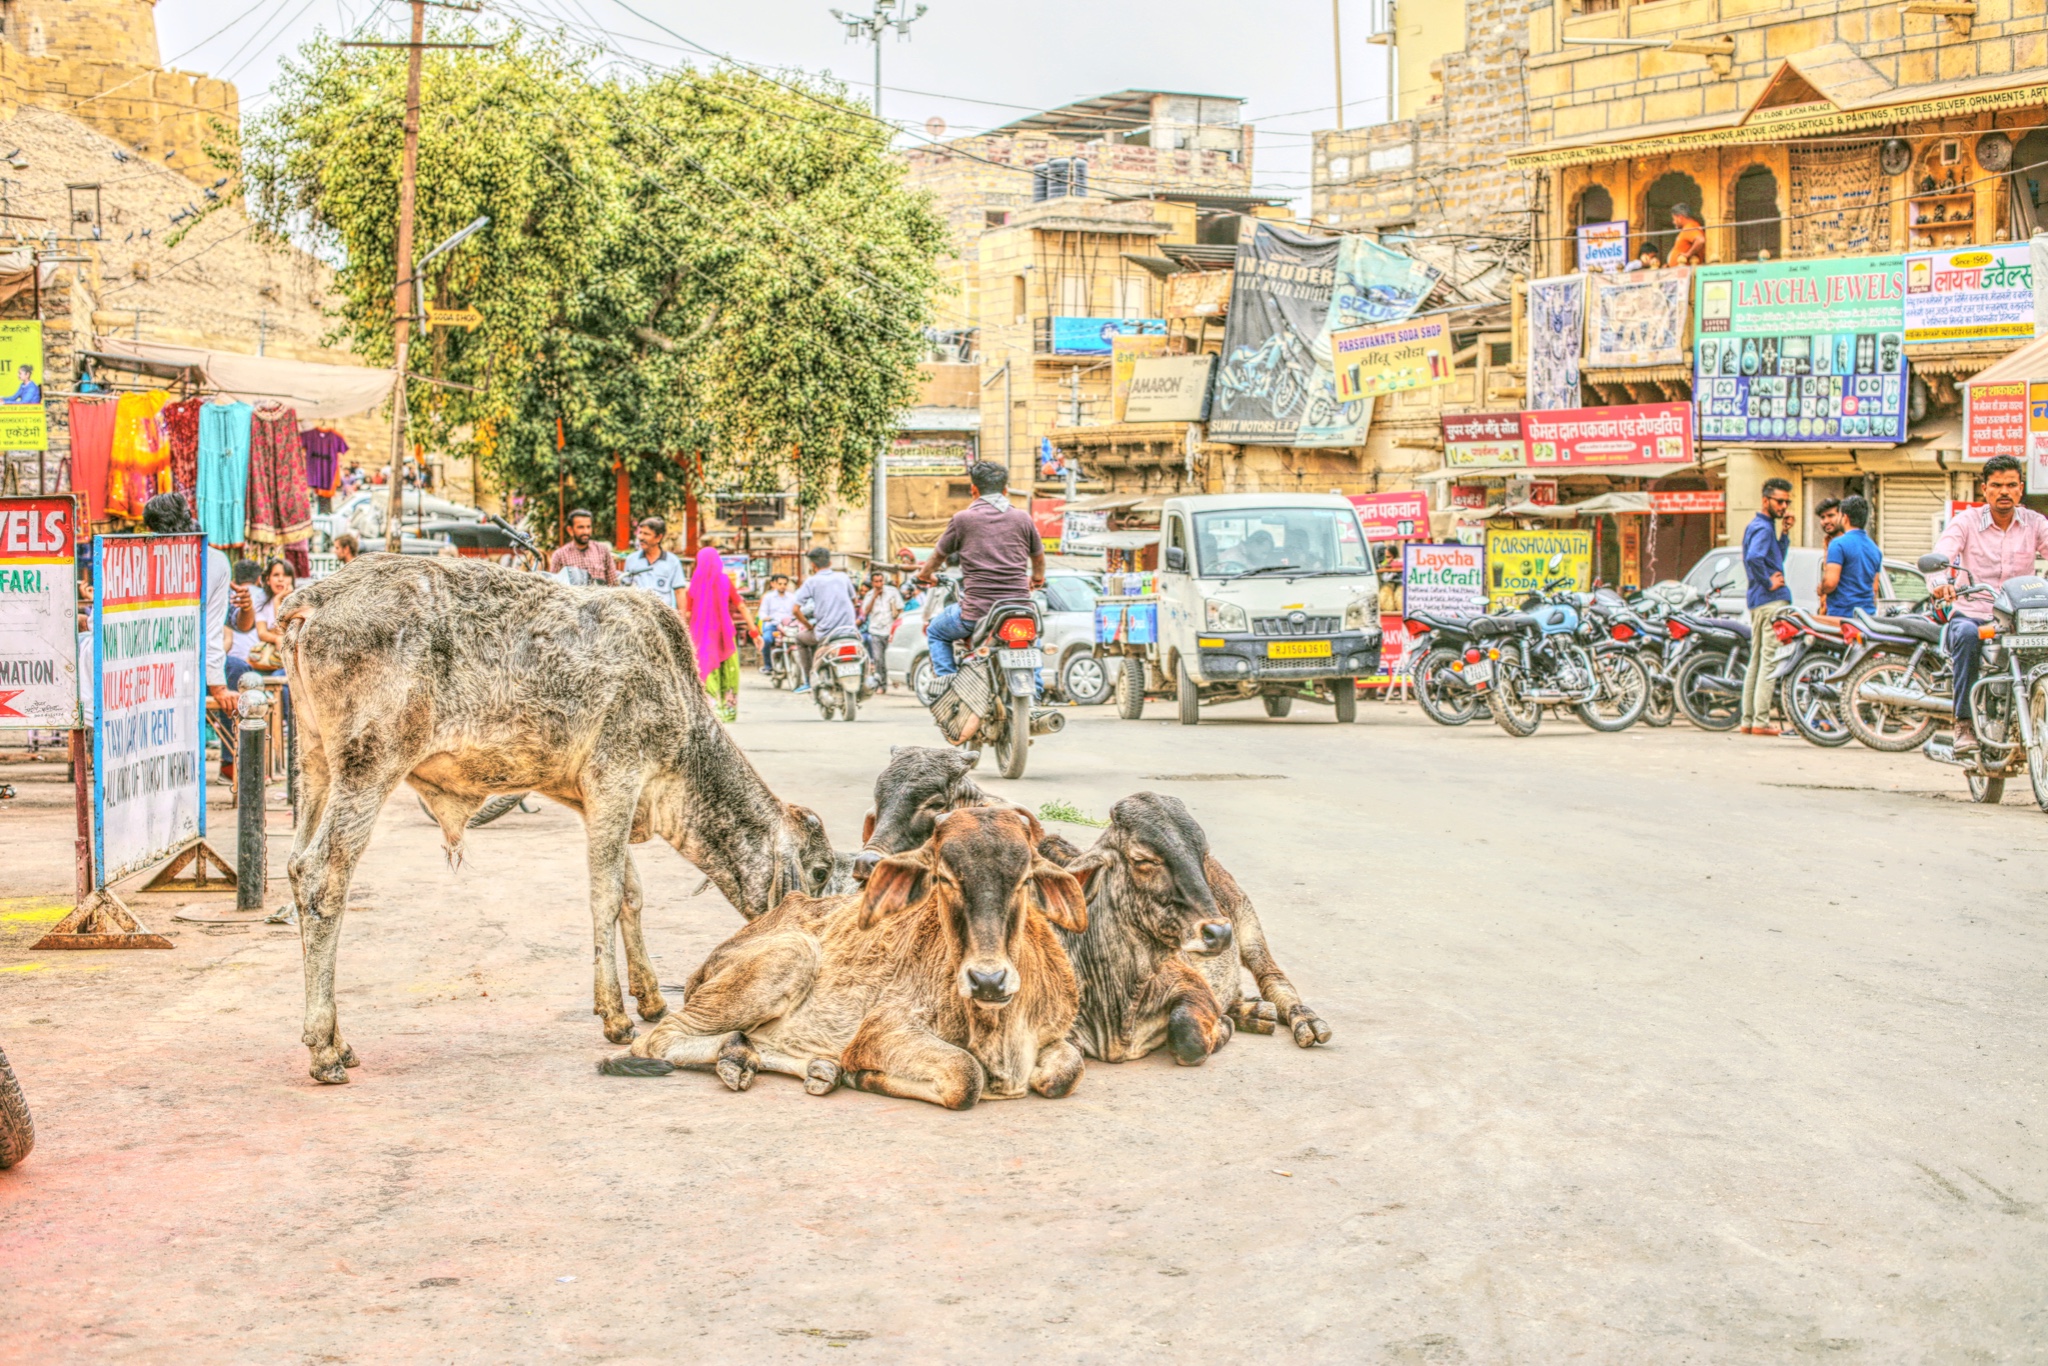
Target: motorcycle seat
[[1919, 628], [1442, 623]]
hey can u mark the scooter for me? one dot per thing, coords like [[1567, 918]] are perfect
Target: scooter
[[839, 675]]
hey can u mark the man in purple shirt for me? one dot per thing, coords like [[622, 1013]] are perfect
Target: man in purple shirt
[[1001, 557], [580, 552], [1991, 544]]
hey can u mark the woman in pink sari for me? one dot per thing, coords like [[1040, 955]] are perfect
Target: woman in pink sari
[[712, 600]]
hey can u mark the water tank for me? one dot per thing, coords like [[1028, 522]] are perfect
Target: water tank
[[1058, 178]]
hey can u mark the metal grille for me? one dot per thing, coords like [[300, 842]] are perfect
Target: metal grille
[[1324, 665], [1286, 626]]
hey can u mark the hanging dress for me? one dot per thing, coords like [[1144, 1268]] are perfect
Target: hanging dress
[[280, 510], [140, 454], [181, 432], [92, 442], [223, 471]]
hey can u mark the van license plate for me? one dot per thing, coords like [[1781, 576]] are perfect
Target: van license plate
[[1019, 659], [2025, 642], [1298, 649]]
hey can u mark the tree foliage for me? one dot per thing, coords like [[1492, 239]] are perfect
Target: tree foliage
[[701, 269]]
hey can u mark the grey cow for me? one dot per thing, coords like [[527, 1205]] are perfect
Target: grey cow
[[465, 680]]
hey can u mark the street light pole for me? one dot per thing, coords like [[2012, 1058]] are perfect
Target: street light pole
[[402, 292], [887, 14]]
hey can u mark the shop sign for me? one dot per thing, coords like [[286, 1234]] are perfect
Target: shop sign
[[1279, 306], [1468, 495], [1603, 246], [1393, 516], [1541, 492], [38, 614], [1447, 580], [1796, 351], [1476, 440], [1169, 389], [1049, 516], [1398, 356], [1688, 500], [1518, 562], [1970, 294], [1078, 526], [1630, 434], [1124, 355], [23, 426], [1996, 421], [1095, 336], [149, 740], [2037, 436], [928, 458]]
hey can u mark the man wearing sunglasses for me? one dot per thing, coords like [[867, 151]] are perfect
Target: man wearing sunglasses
[[1763, 559]]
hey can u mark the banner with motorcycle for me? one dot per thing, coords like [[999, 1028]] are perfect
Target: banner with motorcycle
[[1374, 284], [1801, 350], [1279, 304], [38, 614], [1518, 563]]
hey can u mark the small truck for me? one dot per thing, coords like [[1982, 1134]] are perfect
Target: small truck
[[1266, 595]]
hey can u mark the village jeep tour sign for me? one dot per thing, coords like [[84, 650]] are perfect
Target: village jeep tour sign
[[38, 614]]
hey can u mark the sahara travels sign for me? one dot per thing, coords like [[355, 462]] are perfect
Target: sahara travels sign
[[149, 740], [38, 614], [1970, 294], [1278, 306], [1518, 563]]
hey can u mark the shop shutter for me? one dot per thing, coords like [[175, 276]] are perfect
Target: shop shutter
[[1910, 510]]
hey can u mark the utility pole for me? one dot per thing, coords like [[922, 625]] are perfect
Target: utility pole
[[1337, 47], [887, 14]]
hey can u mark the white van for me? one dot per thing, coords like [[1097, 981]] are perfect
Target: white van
[[1266, 595]]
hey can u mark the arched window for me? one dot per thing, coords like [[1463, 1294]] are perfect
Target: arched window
[[1756, 215], [1668, 190], [1595, 206]]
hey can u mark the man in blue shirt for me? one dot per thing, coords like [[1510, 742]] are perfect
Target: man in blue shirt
[[28, 391], [1848, 580], [650, 568], [1763, 560], [823, 608]]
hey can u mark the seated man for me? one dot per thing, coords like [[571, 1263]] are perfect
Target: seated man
[[822, 608], [1001, 557], [1991, 544], [775, 616]]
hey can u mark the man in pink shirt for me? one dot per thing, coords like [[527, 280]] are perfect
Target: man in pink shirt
[[581, 552], [1991, 544]]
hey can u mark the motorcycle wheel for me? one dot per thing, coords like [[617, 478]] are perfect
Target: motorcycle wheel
[[850, 706], [1708, 711], [1346, 700], [1624, 692], [924, 684], [1277, 706], [1013, 747], [1511, 712], [17, 1130], [1130, 689], [1189, 696], [1437, 701], [1816, 717], [1879, 726], [1662, 707], [1985, 790], [2037, 757]]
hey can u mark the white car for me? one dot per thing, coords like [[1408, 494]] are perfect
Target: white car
[[1898, 581], [1068, 605]]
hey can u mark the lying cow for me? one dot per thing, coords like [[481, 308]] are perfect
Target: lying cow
[[465, 680], [941, 981], [922, 782]]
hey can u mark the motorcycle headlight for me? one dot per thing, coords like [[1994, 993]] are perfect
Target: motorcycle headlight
[[2031, 619], [1225, 616], [1361, 615]]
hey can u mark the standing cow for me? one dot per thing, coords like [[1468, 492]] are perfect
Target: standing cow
[[464, 680], [940, 981]]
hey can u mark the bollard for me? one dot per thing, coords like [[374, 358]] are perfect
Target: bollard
[[252, 876]]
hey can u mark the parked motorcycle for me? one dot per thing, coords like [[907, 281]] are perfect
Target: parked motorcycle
[[1810, 653], [1895, 683], [839, 675], [1639, 626], [2009, 699], [1438, 645], [989, 701], [1709, 682], [17, 1130], [1545, 655]]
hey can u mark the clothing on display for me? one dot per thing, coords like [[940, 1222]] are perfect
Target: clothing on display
[[140, 462], [223, 470], [324, 449], [181, 431], [301, 562], [280, 508], [92, 443]]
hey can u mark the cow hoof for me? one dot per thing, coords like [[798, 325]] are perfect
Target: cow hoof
[[334, 1074], [1309, 1029], [655, 1011], [821, 1077], [626, 1065], [1255, 1017], [619, 1030], [737, 1063], [349, 1058]]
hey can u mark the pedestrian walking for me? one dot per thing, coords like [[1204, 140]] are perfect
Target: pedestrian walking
[[1763, 559], [712, 602], [880, 608], [650, 568], [581, 552], [1848, 578]]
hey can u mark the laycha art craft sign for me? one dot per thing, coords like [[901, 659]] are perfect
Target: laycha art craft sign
[[38, 614], [149, 739], [1447, 580]]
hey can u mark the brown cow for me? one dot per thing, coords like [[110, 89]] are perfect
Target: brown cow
[[941, 981], [464, 680]]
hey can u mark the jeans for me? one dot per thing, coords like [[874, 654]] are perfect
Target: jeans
[[945, 628], [878, 651], [1961, 641], [769, 630], [806, 642], [1763, 653], [236, 667]]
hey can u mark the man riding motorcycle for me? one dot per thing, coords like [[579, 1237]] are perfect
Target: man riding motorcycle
[[1001, 557], [821, 609], [1996, 542]]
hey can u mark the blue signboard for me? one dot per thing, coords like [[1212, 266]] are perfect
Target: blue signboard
[[1090, 336]]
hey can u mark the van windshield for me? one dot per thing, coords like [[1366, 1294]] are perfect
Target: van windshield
[[1235, 541]]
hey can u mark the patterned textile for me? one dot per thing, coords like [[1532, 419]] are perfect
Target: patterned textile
[[141, 458], [1557, 327], [280, 509], [223, 471], [1639, 318], [301, 562], [92, 444], [181, 430], [1839, 202]]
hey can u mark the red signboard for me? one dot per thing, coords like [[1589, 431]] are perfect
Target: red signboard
[[1049, 516], [1393, 516], [1688, 500], [1483, 440], [159, 571], [1468, 495], [36, 530], [1631, 434], [1998, 421]]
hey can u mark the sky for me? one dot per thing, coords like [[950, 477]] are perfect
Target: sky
[[973, 63]]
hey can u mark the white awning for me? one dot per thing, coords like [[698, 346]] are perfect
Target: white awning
[[1113, 540], [318, 391]]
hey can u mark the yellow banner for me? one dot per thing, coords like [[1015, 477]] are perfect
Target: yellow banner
[[1391, 357], [1518, 563], [22, 424]]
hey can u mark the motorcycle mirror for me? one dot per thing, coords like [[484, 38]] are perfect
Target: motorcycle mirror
[[1929, 564]]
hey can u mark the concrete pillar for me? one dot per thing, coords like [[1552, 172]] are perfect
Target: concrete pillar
[[1746, 471]]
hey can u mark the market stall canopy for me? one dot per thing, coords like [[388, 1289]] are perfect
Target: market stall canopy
[[18, 273], [317, 391], [2029, 362], [1605, 505], [1114, 540]]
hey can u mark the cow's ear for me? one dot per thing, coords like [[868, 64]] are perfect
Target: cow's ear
[[897, 881], [1060, 896], [1031, 824], [1087, 868], [867, 828], [973, 758]]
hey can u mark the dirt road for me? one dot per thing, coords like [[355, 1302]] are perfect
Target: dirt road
[[1656, 1047]]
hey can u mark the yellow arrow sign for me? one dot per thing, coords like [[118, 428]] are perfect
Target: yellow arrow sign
[[453, 317]]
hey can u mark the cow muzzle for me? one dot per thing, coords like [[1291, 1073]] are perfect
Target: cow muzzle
[[864, 863], [990, 983], [1211, 937]]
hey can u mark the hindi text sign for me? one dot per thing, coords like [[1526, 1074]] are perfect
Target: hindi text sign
[[38, 614], [1629, 434], [1388, 359], [1484, 441]]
